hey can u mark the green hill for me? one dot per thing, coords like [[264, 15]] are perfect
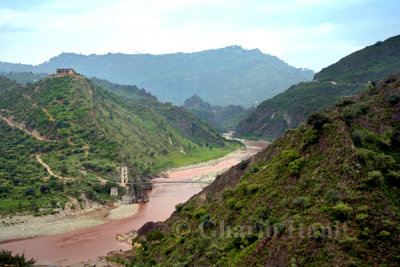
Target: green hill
[[349, 76], [222, 118], [225, 76], [326, 194], [82, 132], [183, 121], [369, 64]]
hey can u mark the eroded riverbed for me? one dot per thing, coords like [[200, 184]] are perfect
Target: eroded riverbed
[[88, 243]]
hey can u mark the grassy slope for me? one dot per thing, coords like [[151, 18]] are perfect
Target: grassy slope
[[340, 172], [351, 75], [183, 121], [84, 128]]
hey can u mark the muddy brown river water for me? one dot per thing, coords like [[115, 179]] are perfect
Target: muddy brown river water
[[88, 243]]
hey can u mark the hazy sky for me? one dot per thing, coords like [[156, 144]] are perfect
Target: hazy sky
[[304, 33]]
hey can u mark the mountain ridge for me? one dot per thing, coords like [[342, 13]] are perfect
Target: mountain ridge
[[349, 76], [223, 76]]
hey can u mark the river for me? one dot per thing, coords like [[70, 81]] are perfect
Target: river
[[88, 243]]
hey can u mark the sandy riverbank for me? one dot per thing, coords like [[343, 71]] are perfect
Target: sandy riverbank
[[20, 227]]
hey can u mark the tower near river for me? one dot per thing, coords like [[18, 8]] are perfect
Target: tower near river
[[124, 176]]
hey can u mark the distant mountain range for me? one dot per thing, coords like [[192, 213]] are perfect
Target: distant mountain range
[[222, 118], [225, 76], [349, 76]]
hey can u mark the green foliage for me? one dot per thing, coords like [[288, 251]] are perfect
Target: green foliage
[[345, 102], [317, 120], [393, 99], [243, 164], [341, 211], [301, 202], [154, 235], [7, 259], [374, 178], [333, 196], [178, 207], [295, 166]]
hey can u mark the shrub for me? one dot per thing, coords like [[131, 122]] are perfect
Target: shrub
[[227, 192], [253, 188], [345, 102], [238, 205], [333, 196], [348, 243], [309, 137], [243, 164], [290, 155], [199, 213], [178, 207], [374, 178], [317, 120], [231, 202], [30, 191], [361, 217], [237, 242], [300, 202], [393, 99], [295, 166], [251, 238], [358, 137], [278, 228], [261, 213], [341, 211], [254, 169], [205, 222], [154, 235], [393, 177], [384, 234], [7, 259]]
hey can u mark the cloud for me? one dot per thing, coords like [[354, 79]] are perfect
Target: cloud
[[299, 31]]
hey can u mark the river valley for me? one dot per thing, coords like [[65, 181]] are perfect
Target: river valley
[[88, 243]]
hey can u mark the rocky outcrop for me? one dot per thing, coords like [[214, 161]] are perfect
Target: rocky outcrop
[[135, 194]]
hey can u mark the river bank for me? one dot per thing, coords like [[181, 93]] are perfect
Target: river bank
[[22, 227]]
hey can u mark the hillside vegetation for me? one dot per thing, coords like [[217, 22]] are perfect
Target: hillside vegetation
[[324, 194], [183, 121], [225, 76], [83, 134], [222, 118], [349, 76]]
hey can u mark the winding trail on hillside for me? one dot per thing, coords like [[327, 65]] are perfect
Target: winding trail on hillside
[[20, 126], [47, 167]]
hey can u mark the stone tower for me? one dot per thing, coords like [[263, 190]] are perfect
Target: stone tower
[[124, 176], [114, 191]]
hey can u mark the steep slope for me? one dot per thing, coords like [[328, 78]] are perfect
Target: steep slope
[[230, 75], [222, 118], [349, 76], [67, 131], [369, 64], [324, 194], [183, 121]]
